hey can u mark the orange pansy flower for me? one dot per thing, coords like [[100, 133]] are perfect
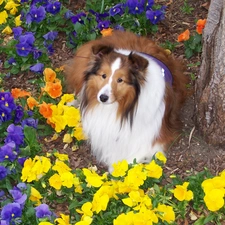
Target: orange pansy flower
[[184, 36], [54, 89], [18, 93], [31, 102], [45, 109], [49, 75], [107, 32], [200, 25]]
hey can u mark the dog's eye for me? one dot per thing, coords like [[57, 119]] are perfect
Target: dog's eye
[[119, 80], [104, 76]]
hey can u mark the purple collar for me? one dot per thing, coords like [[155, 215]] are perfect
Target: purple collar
[[165, 70]]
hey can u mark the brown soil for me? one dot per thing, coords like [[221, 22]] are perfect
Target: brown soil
[[189, 153]]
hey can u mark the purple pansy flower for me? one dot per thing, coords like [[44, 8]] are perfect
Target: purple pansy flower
[[35, 14], [43, 211], [51, 35], [23, 49], [37, 68], [21, 160], [149, 4], [155, 16], [28, 38], [17, 31], [3, 172], [99, 16], [36, 53], [19, 113], [135, 6], [25, 45], [15, 133], [53, 8], [119, 27], [7, 152], [50, 48], [78, 18], [12, 61], [117, 10], [10, 212], [103, 25], [68, 14], [31, 122], [18, 196]]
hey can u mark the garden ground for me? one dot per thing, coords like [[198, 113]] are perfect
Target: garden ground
[[189, 153]]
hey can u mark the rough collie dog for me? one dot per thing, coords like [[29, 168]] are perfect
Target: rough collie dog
[[130, 93]]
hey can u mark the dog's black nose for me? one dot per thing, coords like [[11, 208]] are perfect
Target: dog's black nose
[[104, 98]]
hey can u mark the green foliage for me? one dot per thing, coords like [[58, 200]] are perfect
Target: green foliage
[[193, 45], [186, 8]]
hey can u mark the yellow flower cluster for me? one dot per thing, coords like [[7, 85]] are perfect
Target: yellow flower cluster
[[131, 179], [214, 190], [10, 8], [35, 169], [58, 115]]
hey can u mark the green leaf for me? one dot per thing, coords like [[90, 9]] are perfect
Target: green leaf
[[188, 53], [209, 218]]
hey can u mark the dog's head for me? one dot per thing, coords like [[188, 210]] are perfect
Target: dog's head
[[113, 77]]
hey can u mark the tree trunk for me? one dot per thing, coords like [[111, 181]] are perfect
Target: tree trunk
[[210, 85]]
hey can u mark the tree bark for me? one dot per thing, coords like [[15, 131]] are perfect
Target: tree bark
[[210, 85]]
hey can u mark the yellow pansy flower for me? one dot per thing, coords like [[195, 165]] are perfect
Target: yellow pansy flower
[[61, 167], [214, 199], [61, 157], [64, 220], [79, 134], [72, 116], [7, 30], [66, 98], [86, 209], [92, 178], [3, 17], [35, 196], [100, 202], [181, 193], [133, 199], [124, 219], [217, 182], [55, 181], [67, 179], [67, 138], [12, 6], [120, 168], [153, 170], [135, 176], [166, 213], [17, 20], [161, 157], [86, 220]]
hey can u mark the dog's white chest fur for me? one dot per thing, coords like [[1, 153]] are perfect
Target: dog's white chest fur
[[111, 142]]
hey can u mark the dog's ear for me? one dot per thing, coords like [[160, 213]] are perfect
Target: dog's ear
[[100, 50], [137, 62]]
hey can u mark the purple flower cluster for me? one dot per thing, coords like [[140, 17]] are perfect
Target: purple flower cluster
[[133, 7], [7, 106], [14, 138], [11, 213], [37, 14]]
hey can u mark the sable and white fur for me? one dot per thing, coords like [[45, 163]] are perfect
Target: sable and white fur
[[128, 109]]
